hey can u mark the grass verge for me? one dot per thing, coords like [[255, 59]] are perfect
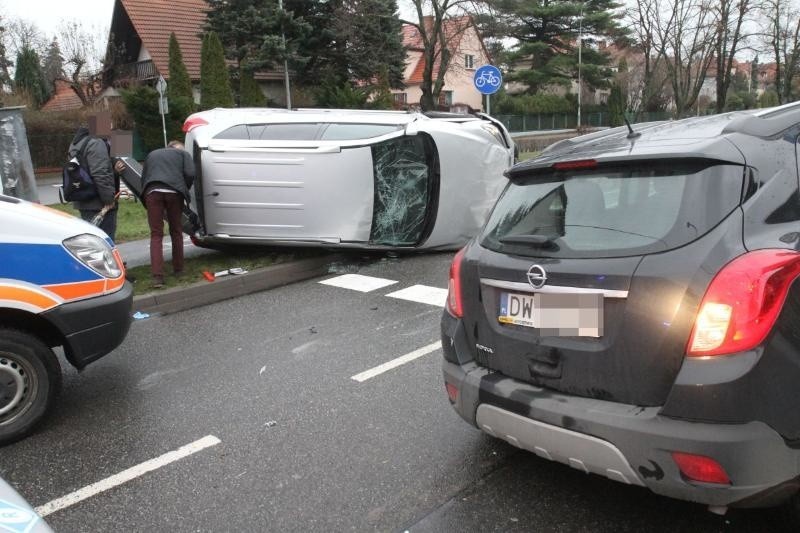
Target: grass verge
[[248, 259], [131, 220]]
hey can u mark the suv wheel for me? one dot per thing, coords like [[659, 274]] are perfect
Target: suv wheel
[[30, 377]]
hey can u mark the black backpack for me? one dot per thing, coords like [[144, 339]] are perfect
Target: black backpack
[[77, 182]]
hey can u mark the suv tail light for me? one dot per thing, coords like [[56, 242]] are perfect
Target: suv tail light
[[192, 122], [454, 300], [701, 468], [743, 301]]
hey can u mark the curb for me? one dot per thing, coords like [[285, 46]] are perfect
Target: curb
[[204, 293]]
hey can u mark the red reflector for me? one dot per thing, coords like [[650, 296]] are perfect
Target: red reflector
[[576, 165], [454, 300], [743, 302], [192, 122], [452, 392], [701, 468]]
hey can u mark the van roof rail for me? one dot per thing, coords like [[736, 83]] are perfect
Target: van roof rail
[[767, 123]]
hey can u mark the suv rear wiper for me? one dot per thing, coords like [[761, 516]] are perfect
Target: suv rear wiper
[[534, 240]]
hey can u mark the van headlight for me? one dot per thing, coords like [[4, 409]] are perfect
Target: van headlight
[[95, 253]]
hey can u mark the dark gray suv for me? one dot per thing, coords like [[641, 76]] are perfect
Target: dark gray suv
[[632, 309]]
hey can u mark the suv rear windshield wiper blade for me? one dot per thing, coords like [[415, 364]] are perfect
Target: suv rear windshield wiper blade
[[533, 240]]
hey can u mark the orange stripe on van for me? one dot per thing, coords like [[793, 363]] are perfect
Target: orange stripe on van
[[21, 294], [113, 285], [82, 289]]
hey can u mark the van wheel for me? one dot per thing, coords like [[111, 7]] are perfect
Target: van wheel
[[30, 378]]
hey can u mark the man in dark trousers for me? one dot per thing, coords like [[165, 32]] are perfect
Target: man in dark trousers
[[167, 176], [96, 158]]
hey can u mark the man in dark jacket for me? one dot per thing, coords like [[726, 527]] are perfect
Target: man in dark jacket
[[98, 162], [167, 176]]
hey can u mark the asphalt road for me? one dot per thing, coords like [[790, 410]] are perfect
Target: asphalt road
[[303, 446]]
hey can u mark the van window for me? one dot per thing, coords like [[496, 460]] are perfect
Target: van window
[[349, 132], [236, 132], [289, 132], [614, 212], [406, 190]]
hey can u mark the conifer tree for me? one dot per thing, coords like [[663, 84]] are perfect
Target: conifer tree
[[180, 86], [215, 82], [53, 64], [250, 94], [29, 79]]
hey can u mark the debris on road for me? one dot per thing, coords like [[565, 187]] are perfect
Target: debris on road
[[236, 271], [271, 424], [138, 315]]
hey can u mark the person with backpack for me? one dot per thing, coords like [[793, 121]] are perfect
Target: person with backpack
[[93, 155]]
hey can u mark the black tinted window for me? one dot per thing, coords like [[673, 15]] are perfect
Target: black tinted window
[[289, 132], [236, 132], [613, 212]]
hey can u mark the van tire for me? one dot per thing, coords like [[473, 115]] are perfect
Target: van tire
[[25, 363]]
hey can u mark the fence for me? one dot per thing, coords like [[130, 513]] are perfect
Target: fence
[[569, 121]]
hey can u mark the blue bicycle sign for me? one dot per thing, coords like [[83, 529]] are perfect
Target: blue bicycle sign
[[488, 79]]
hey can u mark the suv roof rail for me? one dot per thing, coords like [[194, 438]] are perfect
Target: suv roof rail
[[768, 123]]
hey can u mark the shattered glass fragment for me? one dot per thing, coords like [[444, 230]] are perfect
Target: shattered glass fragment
[[16, 169]]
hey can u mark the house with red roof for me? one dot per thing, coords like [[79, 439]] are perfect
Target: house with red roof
[[139, 44], [468, 53]]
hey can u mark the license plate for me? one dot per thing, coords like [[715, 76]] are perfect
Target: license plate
[[556, 315]]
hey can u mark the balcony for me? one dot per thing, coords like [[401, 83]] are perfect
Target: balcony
[[130, 73]]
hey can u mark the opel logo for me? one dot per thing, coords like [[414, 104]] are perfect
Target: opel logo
[[537, 277]]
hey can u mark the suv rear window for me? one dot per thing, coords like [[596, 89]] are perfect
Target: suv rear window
[[612, 212]]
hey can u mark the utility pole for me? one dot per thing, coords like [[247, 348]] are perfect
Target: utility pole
[[580, 46], [285, 62]]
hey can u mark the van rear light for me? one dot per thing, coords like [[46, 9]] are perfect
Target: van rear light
[[743, 302], [452, 392], [581, 164], [192, 122], [701, 468], [454, 297]]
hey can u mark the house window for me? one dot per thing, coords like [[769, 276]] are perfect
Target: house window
[[446, 98], [469, 61], [400, 98]]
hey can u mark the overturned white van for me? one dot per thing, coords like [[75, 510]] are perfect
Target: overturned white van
[[357, 179]]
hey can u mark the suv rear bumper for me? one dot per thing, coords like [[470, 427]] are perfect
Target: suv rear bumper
[[627, 443]]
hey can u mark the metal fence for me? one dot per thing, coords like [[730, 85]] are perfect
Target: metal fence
[[569, 121]]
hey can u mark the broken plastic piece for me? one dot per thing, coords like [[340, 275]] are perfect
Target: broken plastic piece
[[138, 315], [236, 271], [271, 424]]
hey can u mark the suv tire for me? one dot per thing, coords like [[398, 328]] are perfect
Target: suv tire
[[30, 378]]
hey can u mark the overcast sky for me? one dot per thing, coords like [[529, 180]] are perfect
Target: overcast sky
[[48, 14]]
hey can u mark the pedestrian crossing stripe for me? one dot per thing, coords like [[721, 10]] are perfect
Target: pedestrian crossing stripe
[[357, 282], [422, 294]]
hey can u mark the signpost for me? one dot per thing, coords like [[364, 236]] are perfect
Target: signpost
[[487, 80], [163, 104]]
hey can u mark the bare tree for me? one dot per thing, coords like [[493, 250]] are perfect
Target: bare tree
[[82, 54], [731, 16], [647, 80], [781, 28], [439, 33], [22, 34], [690, 44]]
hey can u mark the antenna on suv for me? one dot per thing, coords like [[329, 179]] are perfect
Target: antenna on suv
[[631, 134]]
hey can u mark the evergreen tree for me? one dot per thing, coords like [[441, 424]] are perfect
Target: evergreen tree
[[616, 105], [141, 102], [250, 94], [5, 63], [370, 41], [53, 64], [548, 33], [29, 79], [180, 86], [215, 83]]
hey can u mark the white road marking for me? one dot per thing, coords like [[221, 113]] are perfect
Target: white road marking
[[422, 294], [357, 282], [394, 363], [126, 475]]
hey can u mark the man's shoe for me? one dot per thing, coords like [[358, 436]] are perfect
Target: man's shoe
[[157, 283]]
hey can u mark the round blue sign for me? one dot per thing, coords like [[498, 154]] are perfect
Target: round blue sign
[[488, 79]]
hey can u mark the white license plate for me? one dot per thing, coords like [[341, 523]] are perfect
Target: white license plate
[[559, 315]]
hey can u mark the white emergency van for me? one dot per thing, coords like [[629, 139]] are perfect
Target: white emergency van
[[62, 283]]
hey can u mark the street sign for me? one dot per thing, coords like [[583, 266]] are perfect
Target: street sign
[[161, 85], [163, 105], [488, 79]]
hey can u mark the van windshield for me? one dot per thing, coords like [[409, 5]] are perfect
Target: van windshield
[[612, 212]]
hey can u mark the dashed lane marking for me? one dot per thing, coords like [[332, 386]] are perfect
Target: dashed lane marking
[[394, 363], [357, 282], [126, 475], [422, 294]]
